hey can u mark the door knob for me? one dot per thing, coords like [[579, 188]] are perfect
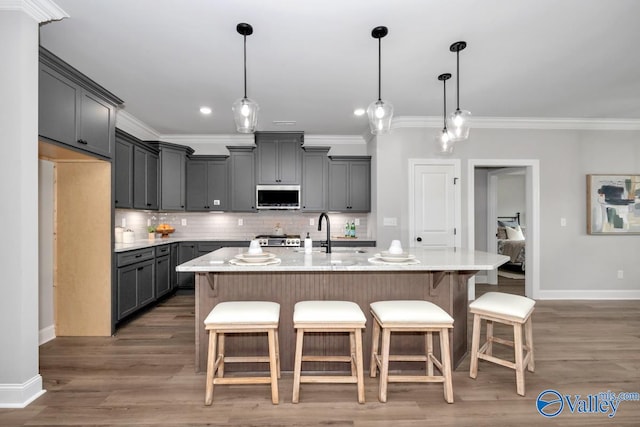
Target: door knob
[[419, 239]]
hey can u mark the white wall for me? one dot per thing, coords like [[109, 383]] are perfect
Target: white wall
[[45, 251], [511, 195], [570, 259]]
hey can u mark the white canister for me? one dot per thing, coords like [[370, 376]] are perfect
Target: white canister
[[118, 234], [128, 236], [308, 245]]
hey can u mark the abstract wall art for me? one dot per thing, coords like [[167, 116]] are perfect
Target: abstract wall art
[[613, 204]]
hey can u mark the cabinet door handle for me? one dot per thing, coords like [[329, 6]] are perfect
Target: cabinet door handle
[[139, 255], [82, 141], [140, 268], [148, 204]]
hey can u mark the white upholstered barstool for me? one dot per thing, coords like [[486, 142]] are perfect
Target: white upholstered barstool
[[411, 316], [329, 316], [242, 317], [513, 310]]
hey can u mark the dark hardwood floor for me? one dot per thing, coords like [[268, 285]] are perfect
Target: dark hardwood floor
[[144, 376]]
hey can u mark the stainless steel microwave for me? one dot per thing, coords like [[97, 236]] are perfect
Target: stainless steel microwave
[[278, 196]]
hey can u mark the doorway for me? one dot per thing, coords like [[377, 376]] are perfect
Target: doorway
[[532, 202]]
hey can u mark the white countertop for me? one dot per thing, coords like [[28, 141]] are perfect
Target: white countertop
[[347, 259]]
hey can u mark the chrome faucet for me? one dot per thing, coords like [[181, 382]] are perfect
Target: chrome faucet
[[326, 243]]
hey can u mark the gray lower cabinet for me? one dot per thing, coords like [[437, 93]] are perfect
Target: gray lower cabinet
[[173, 260], [315, 179], [163, 275], [207, 182], [73, 109], [350, 183], [242, 179], [135, 280], [123, 171], [206, 247], [186, 252], [145, 179]]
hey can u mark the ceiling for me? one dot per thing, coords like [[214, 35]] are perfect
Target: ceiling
[[314, 61]]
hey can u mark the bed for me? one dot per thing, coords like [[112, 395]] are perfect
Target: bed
[[511, 240]]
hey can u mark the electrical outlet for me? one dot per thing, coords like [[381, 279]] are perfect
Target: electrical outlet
[[148, 222], [124, 221], [390, 222], [216, 203], [183, 221], [312, 221], [240, 222], [357, 220], [620, 274], [563, 222]]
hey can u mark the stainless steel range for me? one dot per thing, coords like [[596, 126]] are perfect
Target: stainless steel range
[[291, 240]]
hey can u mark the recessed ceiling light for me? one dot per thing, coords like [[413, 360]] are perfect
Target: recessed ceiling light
[[359, 111], [205, 110]]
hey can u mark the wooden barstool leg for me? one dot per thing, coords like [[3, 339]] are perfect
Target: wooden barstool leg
[[384, 365], [359, 365], [529, 336], [211, 359], [273, 366], [297, 367], [221, 353], [475, 345], [277, 353], [489, 338], [352, 352], [429, 352], [517, 345], [375, 341], [445, 360]]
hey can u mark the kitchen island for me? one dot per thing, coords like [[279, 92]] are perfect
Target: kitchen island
[[353, 274]]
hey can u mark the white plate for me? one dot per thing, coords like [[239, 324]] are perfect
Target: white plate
[[255, 258], [407, 261], [386, 256], [270, 261]]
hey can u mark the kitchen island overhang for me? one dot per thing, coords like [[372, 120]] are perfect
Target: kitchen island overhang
[[439, 276]]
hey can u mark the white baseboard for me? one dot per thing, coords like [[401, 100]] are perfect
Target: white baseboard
[[589, 294], [46, 334], [21, 395]]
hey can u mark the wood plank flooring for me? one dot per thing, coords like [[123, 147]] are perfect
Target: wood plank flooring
[[144, 376]]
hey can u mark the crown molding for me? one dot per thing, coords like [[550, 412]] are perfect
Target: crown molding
[[523, 123], [39, 10], [135, 127], [231, 139], [334, 140]]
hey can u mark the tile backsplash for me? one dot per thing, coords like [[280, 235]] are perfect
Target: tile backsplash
[[226, 226]]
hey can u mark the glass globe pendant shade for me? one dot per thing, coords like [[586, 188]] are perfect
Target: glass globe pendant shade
[[380, 114], [245, 113], [444, 142], [459, 124]]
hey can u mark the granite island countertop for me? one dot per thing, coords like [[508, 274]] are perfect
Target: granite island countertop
[[347, 259]]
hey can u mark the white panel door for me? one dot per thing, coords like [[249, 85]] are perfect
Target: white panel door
[[434, 206]]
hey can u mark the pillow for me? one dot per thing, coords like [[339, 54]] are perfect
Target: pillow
[[502, 233], [514, 233]]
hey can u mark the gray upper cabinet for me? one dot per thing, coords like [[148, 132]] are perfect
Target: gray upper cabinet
[[123, 170], [145, 179], [242, 177], [350, 183], [207, 182], [279, 157], [315, 179], [173, 169], [73, 109]]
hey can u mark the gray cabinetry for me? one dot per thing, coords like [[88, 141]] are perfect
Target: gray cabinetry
[[279, 157], [135, 285], [73, 109], [173, 169], [242, 179], [186, 252], [207, 183], [350, 183], [173, 260], [315, 179], [163, 271], [145, 179], [123, 170]]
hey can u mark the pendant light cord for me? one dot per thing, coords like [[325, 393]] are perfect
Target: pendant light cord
[[458, 80], [444, 103], [379, 69], [245, 65]]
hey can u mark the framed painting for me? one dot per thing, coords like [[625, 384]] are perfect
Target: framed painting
[[613, 204]]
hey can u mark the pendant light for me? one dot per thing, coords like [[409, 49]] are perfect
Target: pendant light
[[459, 120], [444, 138], [379, 112], [245, 110]]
